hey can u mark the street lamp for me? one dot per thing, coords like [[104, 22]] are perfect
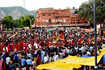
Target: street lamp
[[95, 34]]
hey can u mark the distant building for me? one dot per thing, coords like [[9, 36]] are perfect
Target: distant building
[[50, 17]]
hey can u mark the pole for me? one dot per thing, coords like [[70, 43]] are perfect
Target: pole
[[95, 33]]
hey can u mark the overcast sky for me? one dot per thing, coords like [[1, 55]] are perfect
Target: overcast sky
[[36, 4]]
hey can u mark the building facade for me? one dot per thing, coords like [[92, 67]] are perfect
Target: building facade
[[58, 17]]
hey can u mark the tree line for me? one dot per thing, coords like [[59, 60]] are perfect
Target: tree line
[[24, 21], [86, 10]]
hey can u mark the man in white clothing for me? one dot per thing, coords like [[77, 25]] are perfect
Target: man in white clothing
[[8, 60]]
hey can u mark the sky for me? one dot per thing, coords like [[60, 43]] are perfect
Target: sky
[[36, 4]]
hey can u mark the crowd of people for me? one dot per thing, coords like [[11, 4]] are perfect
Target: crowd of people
[[27, 49]]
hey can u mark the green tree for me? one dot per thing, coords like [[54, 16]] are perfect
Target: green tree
[[31, 21], [16, 23], [21, 22], [26, 21], [8, 22], [32, 18], [86, 11]]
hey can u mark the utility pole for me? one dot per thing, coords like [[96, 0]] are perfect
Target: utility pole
[[95, 34]]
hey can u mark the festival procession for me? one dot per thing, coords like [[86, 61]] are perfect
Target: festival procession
[[53, 39], [30, 48]]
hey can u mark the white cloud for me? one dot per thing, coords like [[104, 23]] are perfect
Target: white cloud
[[6, 3], [36, 4]]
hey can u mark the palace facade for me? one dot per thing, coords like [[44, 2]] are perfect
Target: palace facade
[[50, 17]]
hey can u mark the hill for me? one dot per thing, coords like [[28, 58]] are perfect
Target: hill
[[15, 12]]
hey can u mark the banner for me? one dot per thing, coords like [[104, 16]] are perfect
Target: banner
[[71, 62]]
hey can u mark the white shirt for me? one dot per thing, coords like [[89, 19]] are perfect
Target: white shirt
[[36, 45], [8, 60], [29, 46], [55, 57], [45, 59]]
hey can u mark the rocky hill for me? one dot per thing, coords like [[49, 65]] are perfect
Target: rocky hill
[[15, 12]]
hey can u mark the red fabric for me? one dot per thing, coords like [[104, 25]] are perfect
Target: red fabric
[[61, 35], [8, 47], [32, 43], [13, 46], [38, 62], [4, 47], [16, 46], [42, 44], [48, 43], [54, 35], [20, 45], [80, 41], [26, 45], [70, 33], [72, 43], [82, 36], [1, 48], [36, 41], [57, 44], [39, 46], [4, 66]]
